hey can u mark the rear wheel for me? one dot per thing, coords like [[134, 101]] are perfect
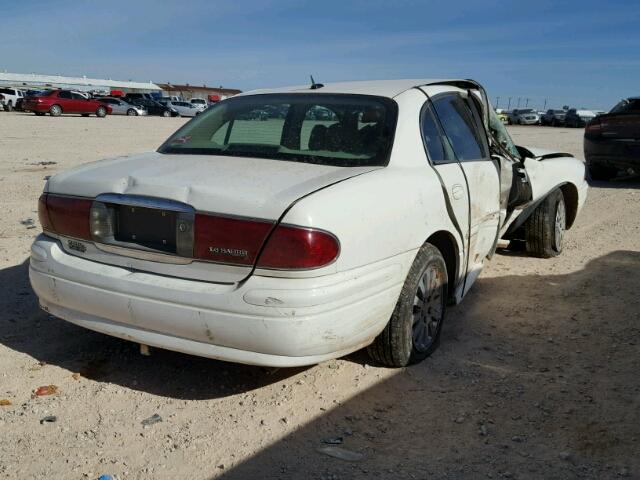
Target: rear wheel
[[55, 110], [544, 229], [413, 332], [9, 107], [131, 112], [601, 172], [101, 112]]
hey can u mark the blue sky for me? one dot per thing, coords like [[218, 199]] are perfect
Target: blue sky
[[580, 53]]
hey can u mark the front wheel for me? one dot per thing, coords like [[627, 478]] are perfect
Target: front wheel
[[166, 114], [101, 112], [544, 229], [131, 112], [413, 332]]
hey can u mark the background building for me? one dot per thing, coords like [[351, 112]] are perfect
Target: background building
[[32, 81], [191, 91]]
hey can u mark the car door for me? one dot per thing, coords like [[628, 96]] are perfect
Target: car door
[[118, 106], [451, 177], [463, 129], [81, 104], [66, 102]]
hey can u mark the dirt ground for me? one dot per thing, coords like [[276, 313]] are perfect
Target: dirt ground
[[537, 376]]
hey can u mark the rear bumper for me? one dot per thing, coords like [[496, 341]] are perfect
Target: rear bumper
[[621, 154], [265, 321], [35, 107]]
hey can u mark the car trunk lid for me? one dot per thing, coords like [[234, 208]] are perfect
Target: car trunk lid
[[149, 198]]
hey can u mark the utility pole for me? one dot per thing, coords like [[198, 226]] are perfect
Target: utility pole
[[518, 103], [509, 105], [526, 104], [545, 105], [497, 102]]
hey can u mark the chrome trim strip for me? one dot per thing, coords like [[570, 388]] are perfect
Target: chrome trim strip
[[143, 254], [144, 201]]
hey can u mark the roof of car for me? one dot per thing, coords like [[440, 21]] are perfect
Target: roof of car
[[382, 88]]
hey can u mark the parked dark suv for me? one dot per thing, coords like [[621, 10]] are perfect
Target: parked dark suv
[[153, 107], [612, 141], [552, 117]]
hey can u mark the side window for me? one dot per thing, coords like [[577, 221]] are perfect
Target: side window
[[431, 136], [460, 127], [77, 96], [64, 94]]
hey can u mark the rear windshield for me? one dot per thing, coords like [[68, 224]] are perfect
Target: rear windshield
[[339, 130]]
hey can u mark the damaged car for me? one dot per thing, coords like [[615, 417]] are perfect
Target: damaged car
[[287, 227]]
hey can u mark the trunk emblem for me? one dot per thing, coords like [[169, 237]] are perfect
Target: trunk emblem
[[232, 252], [78, 246]]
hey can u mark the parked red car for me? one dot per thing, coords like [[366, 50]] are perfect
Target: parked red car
[[57, 102]]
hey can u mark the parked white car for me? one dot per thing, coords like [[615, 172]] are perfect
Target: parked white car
[[200, 103], [286, 227], [524, 116], [120, 106], [12, 97], [184, 109]]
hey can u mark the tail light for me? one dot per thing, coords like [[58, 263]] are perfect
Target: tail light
[[593, 128], [66, 216], [227, 240], [239, 241], [299, 248]]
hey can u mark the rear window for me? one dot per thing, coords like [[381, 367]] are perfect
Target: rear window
[[339, 130], [625, 106]]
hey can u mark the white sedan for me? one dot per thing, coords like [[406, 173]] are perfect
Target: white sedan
[[122, 107], [184, 109], [286, 227]]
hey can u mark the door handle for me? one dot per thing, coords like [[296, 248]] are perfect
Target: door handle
[[457, 191]]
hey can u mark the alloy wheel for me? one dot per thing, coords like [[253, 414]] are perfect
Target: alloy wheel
[[560, 225], [428, 308]]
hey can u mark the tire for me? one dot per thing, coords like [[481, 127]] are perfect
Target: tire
[[413, 331], [9, 107], [601, 172], [132, 113], [544, 229], [55, 110], [166, 114], [101, 112]]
